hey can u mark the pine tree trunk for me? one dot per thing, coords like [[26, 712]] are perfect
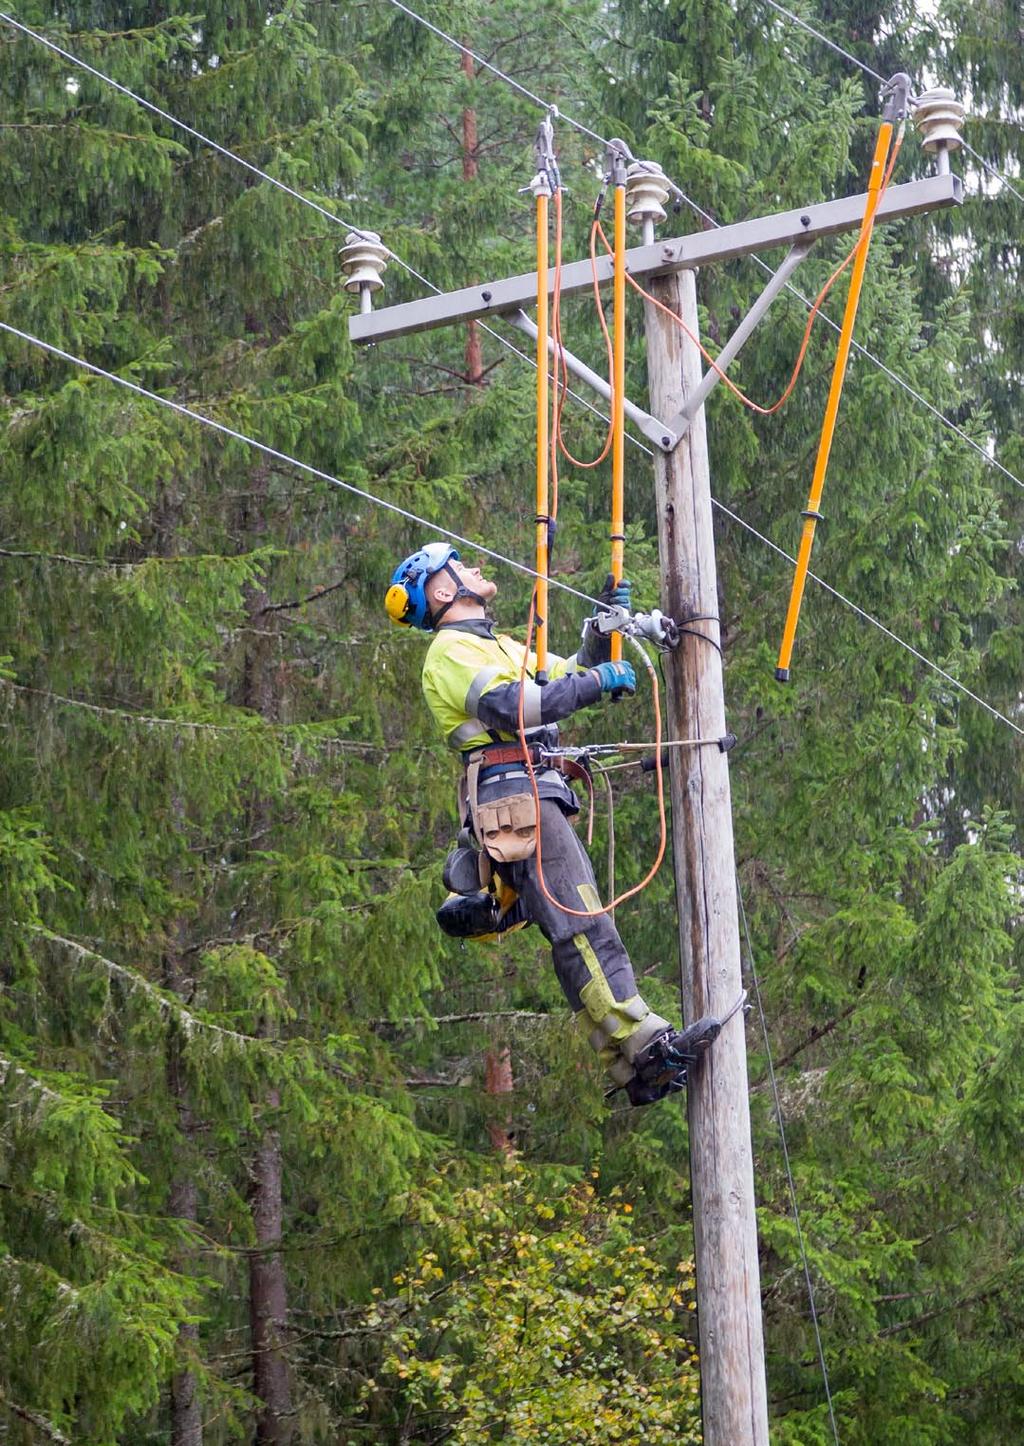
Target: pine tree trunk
[[470, 168], [182, 1194], [268, 1287], [498, 1081], [268, 1295], [182, 1202]]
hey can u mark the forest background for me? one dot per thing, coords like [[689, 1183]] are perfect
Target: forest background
[[255, 1175]]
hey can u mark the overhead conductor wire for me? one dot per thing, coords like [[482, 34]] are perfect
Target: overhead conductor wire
[[205, 421], [954, 682], [279, 456], [867, 69]]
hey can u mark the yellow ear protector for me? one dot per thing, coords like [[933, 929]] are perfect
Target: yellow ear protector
[[397, 603]]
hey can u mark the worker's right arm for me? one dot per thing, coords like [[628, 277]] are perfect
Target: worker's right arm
[[467, 677]]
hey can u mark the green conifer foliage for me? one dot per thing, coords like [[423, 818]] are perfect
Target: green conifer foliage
[[223, 809]]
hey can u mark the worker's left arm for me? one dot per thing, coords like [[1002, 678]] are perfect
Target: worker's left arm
[[498, 706]]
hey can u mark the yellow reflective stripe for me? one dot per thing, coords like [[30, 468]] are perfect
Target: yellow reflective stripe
[[591, 898], [478, 687], [596, 995]]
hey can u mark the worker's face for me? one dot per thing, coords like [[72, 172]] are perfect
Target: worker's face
[[473, 578], [441, 588]]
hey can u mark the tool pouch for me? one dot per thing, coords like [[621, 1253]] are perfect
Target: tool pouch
[[505, 829]]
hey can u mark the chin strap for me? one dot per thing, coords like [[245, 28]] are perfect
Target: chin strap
[[461, 591]]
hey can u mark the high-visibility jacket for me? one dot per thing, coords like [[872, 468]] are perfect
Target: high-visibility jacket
[[471, 683]]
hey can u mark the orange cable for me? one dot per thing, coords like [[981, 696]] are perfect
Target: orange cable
[[562, 370], [812, 316], [659, 772]]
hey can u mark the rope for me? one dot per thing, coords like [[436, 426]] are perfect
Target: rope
[[815, 309], [785, 1157], [278, 456]]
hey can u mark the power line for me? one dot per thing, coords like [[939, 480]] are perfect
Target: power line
[[875, 622], [370, 497], [199, 136], [992, 170], [529, 94], [305, 200], [987, 165], [825, 40], [785, 1158], [870, 356], [537, 100], [269, 451]]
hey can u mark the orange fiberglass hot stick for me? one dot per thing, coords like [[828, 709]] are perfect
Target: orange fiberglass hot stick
[[896, 105], [542, 193], [618, 524]]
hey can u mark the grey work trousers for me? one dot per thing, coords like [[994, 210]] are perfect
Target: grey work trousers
[[591, 963]]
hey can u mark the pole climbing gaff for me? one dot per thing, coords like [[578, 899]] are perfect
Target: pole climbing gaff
[[896, 95], [617, 156], [541, 186]]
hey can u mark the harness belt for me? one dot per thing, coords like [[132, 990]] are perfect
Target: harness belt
[[498, 753]]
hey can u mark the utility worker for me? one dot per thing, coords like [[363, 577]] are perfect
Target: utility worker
[[471, 680]]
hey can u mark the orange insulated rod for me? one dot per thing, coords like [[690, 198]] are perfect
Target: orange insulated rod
[[812, 512]]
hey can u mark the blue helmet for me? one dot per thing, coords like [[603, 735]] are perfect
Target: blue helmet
[[406, 599]]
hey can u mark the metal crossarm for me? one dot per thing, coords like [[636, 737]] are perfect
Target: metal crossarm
[[785, 228]]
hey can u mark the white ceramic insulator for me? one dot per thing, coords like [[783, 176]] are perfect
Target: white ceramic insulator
[[646, 192], [939, 116], [364, 259]]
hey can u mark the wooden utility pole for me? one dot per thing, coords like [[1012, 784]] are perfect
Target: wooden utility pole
[[728, 1291], [734, 1394]]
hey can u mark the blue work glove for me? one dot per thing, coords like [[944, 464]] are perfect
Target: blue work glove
[[618, 594], [616, 677], [594, 648]]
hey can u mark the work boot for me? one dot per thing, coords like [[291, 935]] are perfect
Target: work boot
[[661, 1069], [461, 872], [469, 917]]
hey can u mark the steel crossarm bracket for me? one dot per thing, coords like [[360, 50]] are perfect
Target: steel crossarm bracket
[[652, 429], [680, 423], [785, 228]]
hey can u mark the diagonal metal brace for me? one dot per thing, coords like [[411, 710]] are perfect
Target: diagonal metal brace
[[681, 422], [652, 429]]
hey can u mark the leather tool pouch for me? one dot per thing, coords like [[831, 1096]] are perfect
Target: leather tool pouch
[[505, 829]]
